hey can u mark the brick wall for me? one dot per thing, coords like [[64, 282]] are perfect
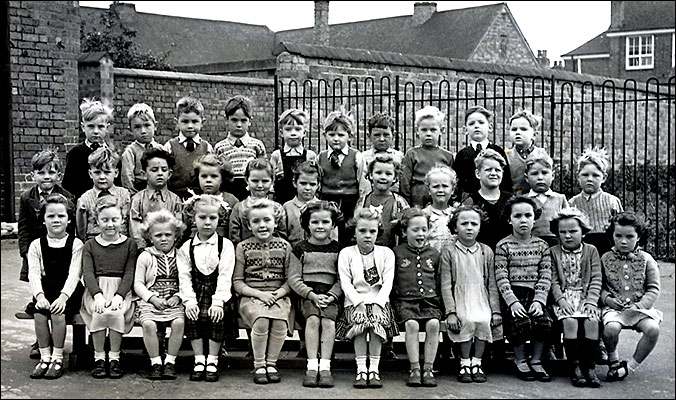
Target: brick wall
[[504, 44], [45, 39], [161, 90]]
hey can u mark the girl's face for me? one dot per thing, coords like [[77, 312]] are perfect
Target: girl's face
[[259, 182], [293, 134], [590, 178], [337, 138], [539, 177], [96, 129], [522, 218], [142, 129], [429, 131], [570, 233], [521, 133], [110, 223], [468, 226], [625, 238], [206, 220], [262, 223], [383, 176], [489, 174], [441, 189], [210, 179], [416, 231], [306, 186], [366, 233], [238, 123], [56, 219], [163, 236], [320, 226]]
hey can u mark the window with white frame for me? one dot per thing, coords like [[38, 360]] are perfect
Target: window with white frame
[[640, 52]]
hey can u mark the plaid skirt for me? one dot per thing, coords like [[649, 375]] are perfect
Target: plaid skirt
[[347, 327], [166, 289], [203, 327], [519, 330]]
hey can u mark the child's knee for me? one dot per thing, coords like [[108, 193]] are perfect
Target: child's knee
[[178, 323], [612, 330], [651, 330], [312, 322], [412, 326], [149, 327], [432, 326], [261, 326], [328, 324], [569, 328]]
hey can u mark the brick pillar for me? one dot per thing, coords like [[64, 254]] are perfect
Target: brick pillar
[[45, 39], [321, 27]]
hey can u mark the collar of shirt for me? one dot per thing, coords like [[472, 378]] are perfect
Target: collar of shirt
[[103, 242], [448, 211], [634, 255], [537, 195], [97, 191], [299, 204], [472, 249], [181, 138], [483, 143], [162, 193], [293, 151], [344, 151], [576, 251], [213, 240], [152, 250], [590, 197], [57, 242], [245, 139], [89, 144], [143, 146], [525, 152], [46, 193]]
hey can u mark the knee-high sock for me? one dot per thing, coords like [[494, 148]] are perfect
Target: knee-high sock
[[275, 342], [259, 343]]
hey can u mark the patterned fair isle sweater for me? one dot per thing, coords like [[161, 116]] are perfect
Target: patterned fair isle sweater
[[524, 263], [318, 264]]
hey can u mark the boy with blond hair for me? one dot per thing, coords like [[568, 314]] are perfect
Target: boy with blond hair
[[523, 128], [142, 125]]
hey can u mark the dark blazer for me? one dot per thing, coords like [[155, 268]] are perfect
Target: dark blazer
[[464, 168], [31, 227], [76, 178], [591, 274]]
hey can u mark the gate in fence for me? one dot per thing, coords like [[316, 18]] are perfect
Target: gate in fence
[[634, 121]]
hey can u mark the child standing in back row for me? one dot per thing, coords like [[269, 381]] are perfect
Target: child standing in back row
[[523, 127], [381, 130], [142, 125], [420, 159]]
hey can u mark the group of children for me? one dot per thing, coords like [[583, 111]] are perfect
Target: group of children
[[355, 245]]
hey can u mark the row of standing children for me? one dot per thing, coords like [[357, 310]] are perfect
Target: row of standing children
[[338, 128]]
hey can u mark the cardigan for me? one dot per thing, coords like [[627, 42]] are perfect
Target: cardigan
[[146, 271], [416, 273], [590, 267], [448, 268], [599, 206], [634, 278], [316, 264], [355, 287], [262, 265]]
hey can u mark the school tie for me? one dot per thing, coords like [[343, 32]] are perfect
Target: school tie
[[149, 146], [94, 146], [190, 145], [334, 158], [238, 143], [104, 193], [479, 147]]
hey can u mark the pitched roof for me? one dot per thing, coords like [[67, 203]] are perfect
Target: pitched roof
[[643, 15], [598, 45], [438, 36], [191, 41]]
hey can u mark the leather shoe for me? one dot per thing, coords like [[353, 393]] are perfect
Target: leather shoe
[[155, 372], [325, 379], [273, 374], [169, 371], [260, 376], [310, 379], [99, 370], [414, 378], [115, 369], [55, 370], [211, 376], [40, 370], [362, 380]]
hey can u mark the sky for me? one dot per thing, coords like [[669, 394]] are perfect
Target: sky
[[556, 26]]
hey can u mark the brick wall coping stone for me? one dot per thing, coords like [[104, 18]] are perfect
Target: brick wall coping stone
[[422, 61], [143, 73]]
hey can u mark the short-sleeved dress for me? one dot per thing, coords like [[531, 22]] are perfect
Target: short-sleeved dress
[[165, 286], [471, 297]]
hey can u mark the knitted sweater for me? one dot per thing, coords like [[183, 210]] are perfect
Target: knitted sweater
[[524, 263], [355, 287], [417, 162], [416, 273], [633, 278], [113, 260], [600, 206], [262, 265], [317, 264]]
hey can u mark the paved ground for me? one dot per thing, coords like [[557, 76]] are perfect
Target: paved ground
[[655, 379]]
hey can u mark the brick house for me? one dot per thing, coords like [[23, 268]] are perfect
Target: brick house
[[639, 44]]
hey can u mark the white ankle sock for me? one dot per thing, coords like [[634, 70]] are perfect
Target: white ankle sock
[[114, 355], [57, 354], [200, 359], [155, 360], [361, 364], [312, 364], [99, 355], [476, 361], [633, 365], [465, 362], [324, 365], [374, 362], [170, 359], [45, 354]]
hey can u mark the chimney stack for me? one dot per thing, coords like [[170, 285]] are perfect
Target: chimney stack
[[321, 27], [617, 15], [542, 58], [423, 11]]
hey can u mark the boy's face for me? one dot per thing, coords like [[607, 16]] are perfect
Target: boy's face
[[306, 186], [103, 177], [521, 133], [570, 233], [262, 222], [429, 131], [590, 178], [625, 238], [110, 222], [158, 173], [189, 124], [489, 174], [539, 177], [381, 138], [206, 220], [163, 236], [46, 177], [210, 179], [293, 134], [337, 138], [416, 232], [383, 176], [477, 127], [441, 188], [468, 226], [96, 129], [142, 129], [259, 183], [522, 218], [320, 225], [238, 123], [56, 219]]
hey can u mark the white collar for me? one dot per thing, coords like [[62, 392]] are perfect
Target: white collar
[[154, 251], [152, 143], [212, 240], [345, 150], [472, 249], [103, 242], [484, 144], [533, 193], [296, 150], [181, 138], [233, 139], [97, 191], [298, 203]]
